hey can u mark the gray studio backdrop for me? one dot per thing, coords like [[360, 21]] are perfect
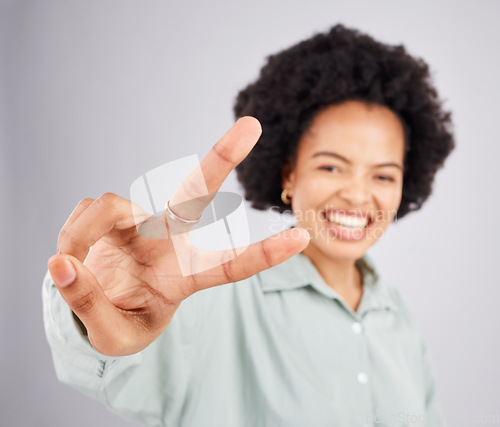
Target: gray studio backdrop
[[95, 93]]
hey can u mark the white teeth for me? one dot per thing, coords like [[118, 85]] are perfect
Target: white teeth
[[347, 220]]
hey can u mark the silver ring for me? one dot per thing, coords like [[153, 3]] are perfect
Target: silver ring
[[178, 218]]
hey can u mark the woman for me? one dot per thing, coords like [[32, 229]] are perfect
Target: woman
[[306, 333]]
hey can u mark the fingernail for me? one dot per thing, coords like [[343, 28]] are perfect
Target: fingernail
[[62, 271]]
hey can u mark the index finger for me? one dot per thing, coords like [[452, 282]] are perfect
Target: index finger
[[104, 214], [201, 184]]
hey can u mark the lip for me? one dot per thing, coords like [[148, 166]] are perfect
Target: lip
[[346, 234]]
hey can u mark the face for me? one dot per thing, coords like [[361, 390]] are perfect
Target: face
[[347, 180]]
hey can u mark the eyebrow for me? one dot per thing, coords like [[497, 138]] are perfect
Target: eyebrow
[[344, 159]]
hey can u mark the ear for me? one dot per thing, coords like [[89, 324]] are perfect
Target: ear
[[287, 176]]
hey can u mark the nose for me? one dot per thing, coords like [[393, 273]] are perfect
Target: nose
[[356, 192]]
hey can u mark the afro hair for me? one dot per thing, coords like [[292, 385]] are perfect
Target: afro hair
[[330, 68]]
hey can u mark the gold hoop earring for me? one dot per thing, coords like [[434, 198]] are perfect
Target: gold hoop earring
[[285, 197]]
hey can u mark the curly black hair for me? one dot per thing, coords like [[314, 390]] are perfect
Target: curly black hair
[[330, 68]]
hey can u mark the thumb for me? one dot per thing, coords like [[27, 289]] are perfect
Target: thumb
[[107, 327]]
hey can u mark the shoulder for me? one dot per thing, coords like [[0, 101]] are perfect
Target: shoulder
[[372, 278], [402, 306], [395, 300]]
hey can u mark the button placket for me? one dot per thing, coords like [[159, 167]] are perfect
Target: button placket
[[362, 377], [357, 328]]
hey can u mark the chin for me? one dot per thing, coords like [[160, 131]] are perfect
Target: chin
[[337, 249]]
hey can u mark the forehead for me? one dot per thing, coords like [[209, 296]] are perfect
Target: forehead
[[355, 129]]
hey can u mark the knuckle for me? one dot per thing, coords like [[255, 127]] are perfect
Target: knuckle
[[192, 286], [68, 242], [67, 239], [84, 303], [70, 239], [85, 202], [107, 197], [267, 255], [223, 153], [108, 201], [228, 271]]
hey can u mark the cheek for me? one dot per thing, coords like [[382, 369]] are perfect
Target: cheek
[[398, 194], [388, 202], [312, 192]]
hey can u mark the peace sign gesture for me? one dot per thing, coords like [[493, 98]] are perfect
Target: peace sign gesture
[[130, 286]]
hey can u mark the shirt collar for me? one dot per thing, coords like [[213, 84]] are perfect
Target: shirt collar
[[299, 272]]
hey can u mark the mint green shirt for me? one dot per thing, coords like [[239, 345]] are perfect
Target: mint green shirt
[[278, 349]]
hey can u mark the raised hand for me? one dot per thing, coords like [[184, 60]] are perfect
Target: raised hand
[[129, 288]]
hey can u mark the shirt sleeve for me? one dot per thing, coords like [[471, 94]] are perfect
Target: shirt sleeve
[[148, 387]]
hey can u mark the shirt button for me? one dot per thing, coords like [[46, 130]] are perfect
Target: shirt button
[[362, 378], [356, 327]]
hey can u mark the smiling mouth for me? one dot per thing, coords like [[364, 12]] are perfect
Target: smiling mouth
[[349, 221]]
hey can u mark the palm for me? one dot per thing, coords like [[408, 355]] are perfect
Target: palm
[[136, 273]]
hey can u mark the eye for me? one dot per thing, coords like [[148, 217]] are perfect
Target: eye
[[330, 168], [385, 178]]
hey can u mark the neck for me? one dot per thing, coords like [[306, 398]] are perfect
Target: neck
[[341, 275]]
